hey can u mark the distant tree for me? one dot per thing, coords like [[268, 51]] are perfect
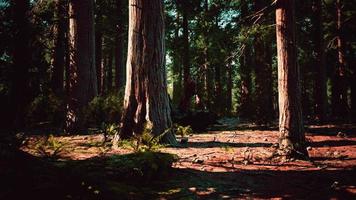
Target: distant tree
[[339, 104], [263, 70], [146, 99], [245, 61], [320, 95], [119, 50], [59, 62], [177, 68], [187, 79], [292, 138], [82, 68], [99, 46]]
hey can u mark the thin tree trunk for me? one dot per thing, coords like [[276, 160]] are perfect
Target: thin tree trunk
[[229, 85], [217, 89], [177, 69], [245, 107], [340, 108], [98, 49], [187, 81], [119, 52], [146, 99], [59, 49], [207, 72], [292, 138], [352, 84], [263, 70], [320, 95], [109, 69], [82, 71]]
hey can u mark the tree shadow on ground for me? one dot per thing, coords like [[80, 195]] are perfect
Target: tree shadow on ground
[[333, 143], [348, 130], [213, 144], [24, 176], [265, 184]]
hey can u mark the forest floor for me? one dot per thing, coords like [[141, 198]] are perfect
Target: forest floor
[[238, 164]]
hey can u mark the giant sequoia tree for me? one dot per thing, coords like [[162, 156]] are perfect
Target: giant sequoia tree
[[82, 71], [146, 100], [291, 131]]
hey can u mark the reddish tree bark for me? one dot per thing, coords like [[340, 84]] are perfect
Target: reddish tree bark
[[82, 72], [146, 99], [60, 47], [291, 138], [339, 104]]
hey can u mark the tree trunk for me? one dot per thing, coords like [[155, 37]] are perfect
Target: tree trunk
[[146, 99], [119, 52], [82, 71], [217, 89], [352, 84], [320, 94], [109, 68], [292, 138], [263, 70], [187, 81], [98, 49], [59, 49], [245, 107], [340, 107], [177, 69], [229, 85], [20, 91]]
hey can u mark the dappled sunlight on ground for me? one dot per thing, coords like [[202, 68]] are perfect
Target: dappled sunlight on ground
[[242, 164]]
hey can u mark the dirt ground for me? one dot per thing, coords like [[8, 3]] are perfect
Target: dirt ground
[[240, 164]]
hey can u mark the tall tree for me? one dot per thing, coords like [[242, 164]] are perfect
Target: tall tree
[[245, 61], [60, 47], [291, 138], [99, 46], [109, 69], [177, 69], [82, 69], [263, 70], [20, 91], [146, 101], [187, 79], [229, 86], [320, 95], [339, 104], [352, 83], [119, 51]]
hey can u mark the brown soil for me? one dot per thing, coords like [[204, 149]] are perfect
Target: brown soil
[[241, 164]]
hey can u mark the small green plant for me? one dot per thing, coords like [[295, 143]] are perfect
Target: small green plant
[[183, 130], [109, 130], [145, 142], [50, 147]]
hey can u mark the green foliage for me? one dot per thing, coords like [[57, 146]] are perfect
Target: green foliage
[[45, 108], [105, 109], [49, 147], [183, 130], [142, 165], [109, 129], [145, 142]]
